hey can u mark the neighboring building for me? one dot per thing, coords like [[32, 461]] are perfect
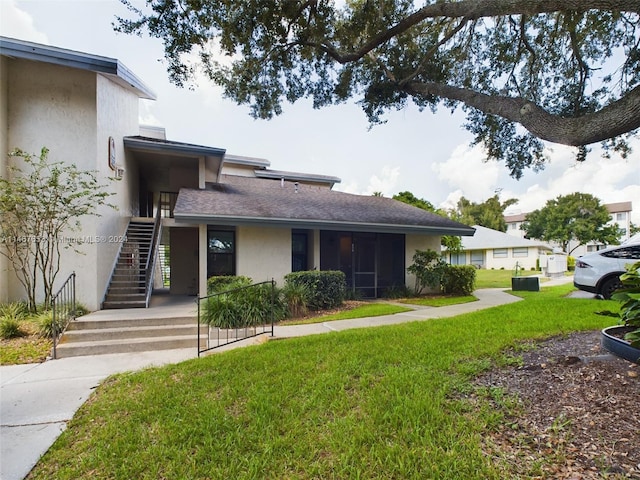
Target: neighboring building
[[203, 211], [620, 216], [492, 249]]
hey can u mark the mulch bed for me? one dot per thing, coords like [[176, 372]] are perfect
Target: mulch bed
[[577, 416]]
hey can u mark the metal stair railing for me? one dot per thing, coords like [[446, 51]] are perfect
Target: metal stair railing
[[63, 309], [150, 265]]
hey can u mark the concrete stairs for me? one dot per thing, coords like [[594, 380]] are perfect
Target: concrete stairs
[[97, 336], [127, 288]]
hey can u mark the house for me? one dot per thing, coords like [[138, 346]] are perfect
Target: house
[[620, 215], [492, 249], [186, 212]]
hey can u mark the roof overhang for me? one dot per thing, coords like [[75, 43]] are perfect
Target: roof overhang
[[158, 146], [319, 224], [109, 67], [297, 177]]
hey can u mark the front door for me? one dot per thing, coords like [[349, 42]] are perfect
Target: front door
[[364, 265]]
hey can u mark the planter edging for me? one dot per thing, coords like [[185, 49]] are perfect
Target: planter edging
[[618, 346]]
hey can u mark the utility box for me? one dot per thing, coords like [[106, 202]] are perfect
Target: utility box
[[526, 284]]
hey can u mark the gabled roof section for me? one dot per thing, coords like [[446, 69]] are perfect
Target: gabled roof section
[[486, 238], [157, 145], [298, 177], [109, 67], [256, 201]]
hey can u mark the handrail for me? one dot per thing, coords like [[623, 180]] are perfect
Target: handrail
[[151, 258], [63, 303]]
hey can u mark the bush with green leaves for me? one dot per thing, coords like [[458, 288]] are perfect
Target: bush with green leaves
[[629, 296], [327, 288], [296, 297], [44, 320], [243, 307], [11, 316], [459, 280], [224, 283], [429, 268]]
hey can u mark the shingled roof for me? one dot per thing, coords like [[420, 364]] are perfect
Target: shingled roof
[[248, 200]]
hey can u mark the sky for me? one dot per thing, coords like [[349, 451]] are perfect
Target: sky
[[421, 152]]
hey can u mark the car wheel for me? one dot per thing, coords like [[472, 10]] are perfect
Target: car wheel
[[610, 286]]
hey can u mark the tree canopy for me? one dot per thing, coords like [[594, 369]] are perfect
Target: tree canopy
[[576, 217], [489, 214], [566, 72]]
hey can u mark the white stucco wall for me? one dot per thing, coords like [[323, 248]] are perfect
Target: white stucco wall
[[4, 107], [263, 253], [509, 263], [73, 113], [417, 242]]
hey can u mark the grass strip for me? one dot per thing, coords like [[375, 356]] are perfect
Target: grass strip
[[368, 403]]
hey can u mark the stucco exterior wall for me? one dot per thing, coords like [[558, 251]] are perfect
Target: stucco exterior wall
[[509, 262], [117, 117], [417, 242], [4, 126], [263, 253], [73, 113]]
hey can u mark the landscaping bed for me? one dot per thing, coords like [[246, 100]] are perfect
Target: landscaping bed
[[577, 414]]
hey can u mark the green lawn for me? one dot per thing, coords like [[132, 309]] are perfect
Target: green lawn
[[368, 310], [498, 278], [436, 301], [369, 404]]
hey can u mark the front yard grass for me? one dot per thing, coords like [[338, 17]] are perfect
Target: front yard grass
[[499, 278], [369, 403]]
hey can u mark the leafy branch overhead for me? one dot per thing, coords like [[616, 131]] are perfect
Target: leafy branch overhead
[[568, 72]]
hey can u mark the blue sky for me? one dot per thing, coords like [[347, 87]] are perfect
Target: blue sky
[[427, 154]]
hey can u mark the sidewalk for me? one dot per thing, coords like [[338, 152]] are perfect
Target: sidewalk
[[37, 400]]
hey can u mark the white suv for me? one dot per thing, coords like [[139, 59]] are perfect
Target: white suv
[[599, 272]]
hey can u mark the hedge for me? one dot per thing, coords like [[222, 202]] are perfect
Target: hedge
[[327, 289]]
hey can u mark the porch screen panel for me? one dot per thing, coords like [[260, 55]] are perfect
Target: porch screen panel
[[391, 262]]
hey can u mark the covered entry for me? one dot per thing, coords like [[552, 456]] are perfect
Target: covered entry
[[373, 263]]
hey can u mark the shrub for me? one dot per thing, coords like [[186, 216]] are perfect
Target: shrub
[[429, 269], [459, 280], [296, 297], [11, 314], [571, 263], [327, 289], [44, 320], [244, 307], [629, 296], [10, 328], [224, 283], [397, 291]]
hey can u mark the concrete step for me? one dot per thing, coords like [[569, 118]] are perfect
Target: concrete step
[[123, 304], [111, 323], [100, 335], [77, 349], [125, 296]]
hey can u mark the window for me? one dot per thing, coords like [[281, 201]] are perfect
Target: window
[[221, 253], [458, 258], [500, 253], [477, 258], [513, 226], [299, 260], [521, 252], [621, 216]]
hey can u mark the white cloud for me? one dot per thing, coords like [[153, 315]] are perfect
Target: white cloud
[[385, 182], [16, 23], [465, 170]]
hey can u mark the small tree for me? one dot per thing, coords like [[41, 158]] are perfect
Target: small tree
[[429, 269], [576, 217], [38, 202]]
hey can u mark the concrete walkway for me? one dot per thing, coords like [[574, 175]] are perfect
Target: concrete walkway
[[37, 400]]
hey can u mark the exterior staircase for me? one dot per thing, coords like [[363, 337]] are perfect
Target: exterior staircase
[[129, 285], [99, 336]]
